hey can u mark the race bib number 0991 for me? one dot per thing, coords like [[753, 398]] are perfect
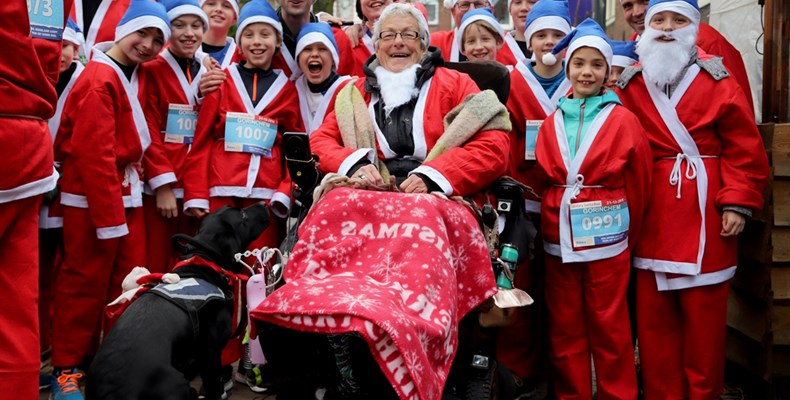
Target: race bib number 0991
[[596, 223]]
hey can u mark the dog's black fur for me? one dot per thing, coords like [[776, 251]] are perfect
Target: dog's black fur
[[152, 349]]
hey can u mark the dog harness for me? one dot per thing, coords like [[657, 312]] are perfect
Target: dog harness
[[190, 294]]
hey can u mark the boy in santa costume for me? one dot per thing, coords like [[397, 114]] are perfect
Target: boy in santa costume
[[222, 14], [171, 112], [293, 15], [624, 57], [595, 161], [709, 171], [97, 19], [536, 89], [446, 40], [318, 80], [101, 141], [480, 37], [519, 10], [708, 39], [29, 99], [51, 219]]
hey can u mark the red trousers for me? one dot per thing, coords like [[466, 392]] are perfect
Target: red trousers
[[90, 277], [50, 255], [158, 233], [588, 315], [269, 238], [19, 333], [682, 339], [518, 345]]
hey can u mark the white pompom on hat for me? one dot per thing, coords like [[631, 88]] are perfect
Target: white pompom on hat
[[587, 34]]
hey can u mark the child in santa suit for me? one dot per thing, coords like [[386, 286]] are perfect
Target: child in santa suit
[[29, 99], [709, 170], [518, 343], [536, 89], [318, 81], [97, 19], [50, 221], [594, 159], [222, 14], [624, 57], [236, 157], [101, 141], [171, 112]]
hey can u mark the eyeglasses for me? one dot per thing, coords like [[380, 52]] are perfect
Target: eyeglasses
[[407, 35], [465, 5]]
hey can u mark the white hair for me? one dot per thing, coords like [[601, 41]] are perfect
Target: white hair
[[403, 10]]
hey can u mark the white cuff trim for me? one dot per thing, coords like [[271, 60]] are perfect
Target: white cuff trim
[[354, 158], [112, 232], [161, 180], [282, 199], [196, 203], [435, 176]]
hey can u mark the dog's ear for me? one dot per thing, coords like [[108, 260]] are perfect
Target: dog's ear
[[180, 243]]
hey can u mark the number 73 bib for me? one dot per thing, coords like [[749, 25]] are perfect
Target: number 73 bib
[[249, 133], [46, 19], [600, 222]]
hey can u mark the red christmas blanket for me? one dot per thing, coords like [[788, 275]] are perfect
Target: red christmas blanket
[[399, 269]]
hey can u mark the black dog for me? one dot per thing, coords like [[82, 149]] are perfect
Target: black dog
[[162, 339]]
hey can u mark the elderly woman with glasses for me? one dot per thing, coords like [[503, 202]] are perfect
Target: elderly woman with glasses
[[410, 118]]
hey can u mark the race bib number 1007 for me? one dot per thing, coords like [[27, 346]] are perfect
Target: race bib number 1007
[[596, 223], [249, 133]]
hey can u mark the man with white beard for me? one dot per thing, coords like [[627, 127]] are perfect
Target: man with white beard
[[709, 170]]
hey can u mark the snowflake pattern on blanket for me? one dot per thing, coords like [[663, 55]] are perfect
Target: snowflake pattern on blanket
[[399, 269]]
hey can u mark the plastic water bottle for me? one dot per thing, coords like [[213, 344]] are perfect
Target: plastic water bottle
[[509, 255]]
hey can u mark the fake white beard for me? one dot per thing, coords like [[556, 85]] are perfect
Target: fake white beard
[[397, 88], [663, 62]]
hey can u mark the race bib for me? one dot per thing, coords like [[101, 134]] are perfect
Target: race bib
[[46, 19], [596, 223], [531, 138], [181, 122], [248, 133]]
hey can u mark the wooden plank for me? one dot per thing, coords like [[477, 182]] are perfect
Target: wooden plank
[[753, 278], [748, 354], [749, 316], [780, 282], [780, 324], [780, 239], [780, 150], [754, 243], [781, 198], [767, 133], [780, 361]]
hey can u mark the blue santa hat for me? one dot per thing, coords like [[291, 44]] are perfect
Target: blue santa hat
[[687, 8], [143, 14], [258, 11], [317, 32], [479, 14], [548, 14], [178, 8], [624, 53], [587, 34], [73, 34], [233, 3]]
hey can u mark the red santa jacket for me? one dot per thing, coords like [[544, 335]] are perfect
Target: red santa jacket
[[103, 135], [712, 42], [707, 154], [529, 103], [28, 75], [361, 54], [218, 173], [445, 41], [103, 25], [286, 61], [312, 122], [612, 164], [167, 85], [462, 170]]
